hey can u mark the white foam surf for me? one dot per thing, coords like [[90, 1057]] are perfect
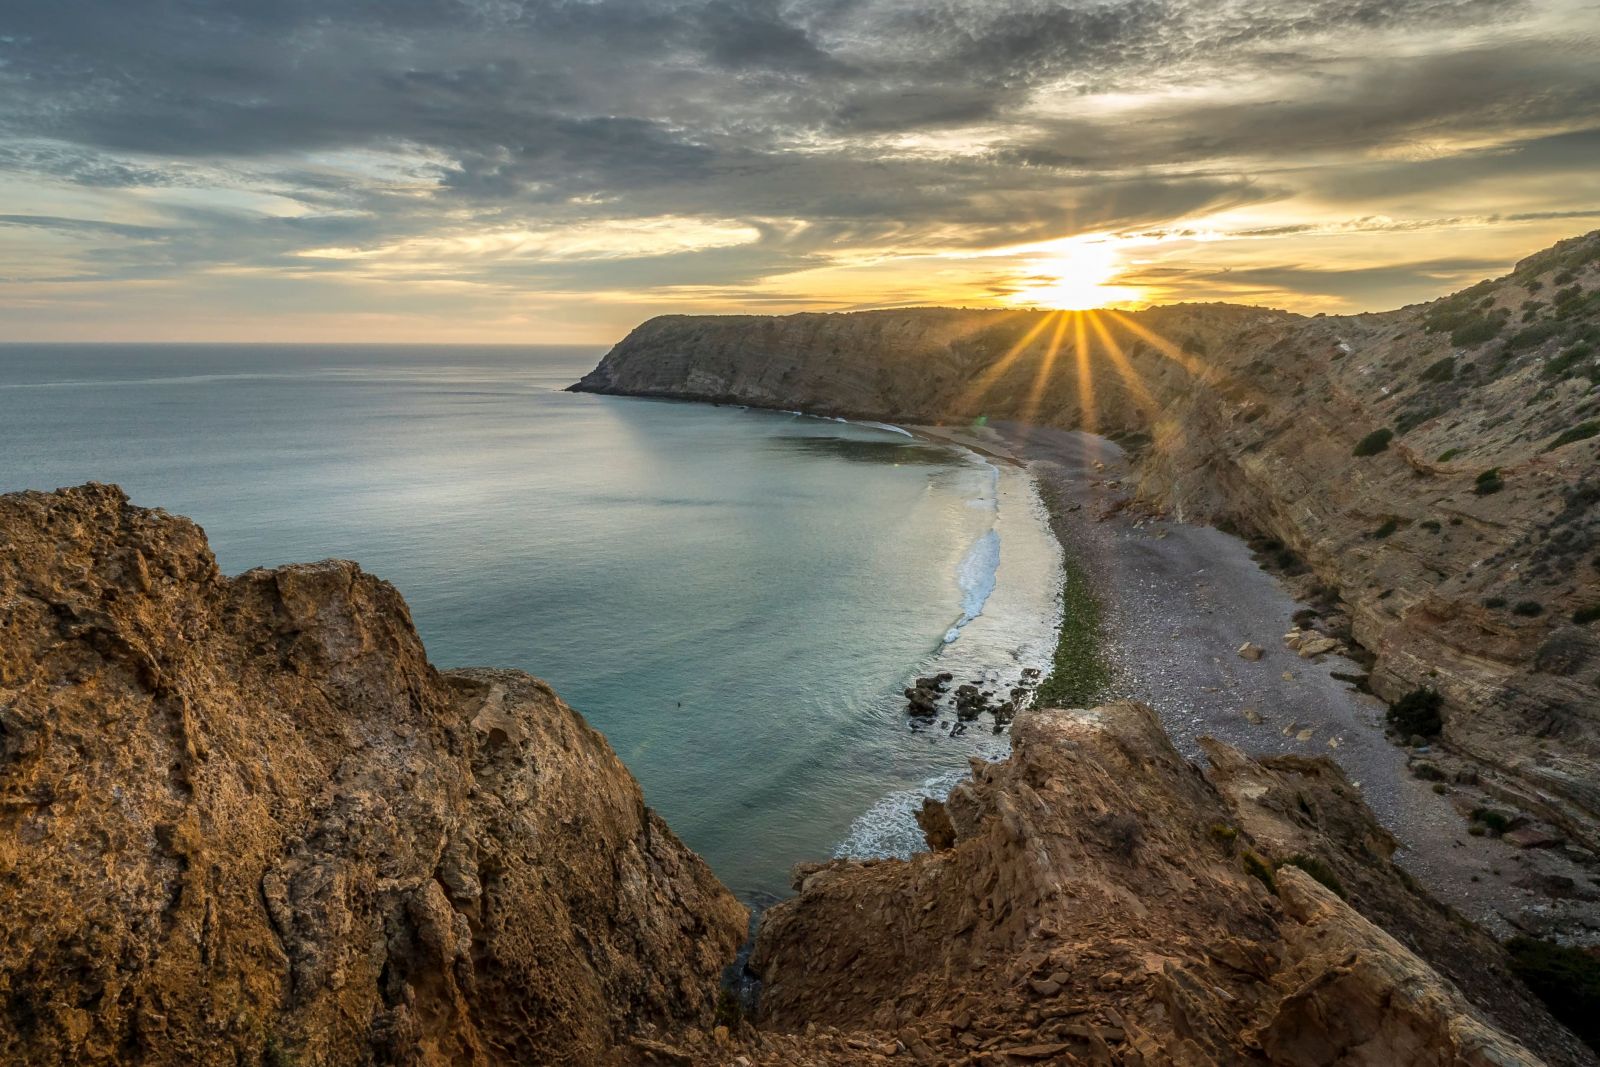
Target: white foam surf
[[976, 576]]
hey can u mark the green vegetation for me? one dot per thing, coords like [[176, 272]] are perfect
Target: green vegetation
[[1440, 371], [1477, 329], [1431, 525], [1494, 821], [1488, 482], [1389, 526], [1584, 616], [1581, 432], [1259, 869], [1532, 336], [1373, 443], [1449, 454], [1078, 673], [1527, 608], [1561, 366], [1566, 979], [1417, 713], [1224, 835], [1494, 602], [1318, 870]]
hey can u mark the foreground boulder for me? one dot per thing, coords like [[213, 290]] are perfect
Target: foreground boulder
[[242, 820], [1096, 899]]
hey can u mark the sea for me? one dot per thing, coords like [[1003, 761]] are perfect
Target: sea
[[735, 597]]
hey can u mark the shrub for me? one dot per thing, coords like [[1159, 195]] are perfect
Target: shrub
[[1494, 602], [1450, 453], [1493, 820], [1318, 870], [1417, 713], [1488, 482], [1584, 616], [1373, 443], [1389, 526], [1431, 525], [1259, 869], [1532, 336], [1559, 366], [1440, 371], [1581, 432], [1476, 330], [1527, 608], [1224, 835], [1566, 979]]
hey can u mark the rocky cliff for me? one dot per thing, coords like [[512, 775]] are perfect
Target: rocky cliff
[[242, 820], [245, 822], [1436, 466], [1096, 899]]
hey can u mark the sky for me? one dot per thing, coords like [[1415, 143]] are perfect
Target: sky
[[558, 170]]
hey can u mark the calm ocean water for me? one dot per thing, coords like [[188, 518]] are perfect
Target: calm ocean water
[[734, 597]]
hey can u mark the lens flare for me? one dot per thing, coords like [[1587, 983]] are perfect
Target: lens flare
[[1075, 277]]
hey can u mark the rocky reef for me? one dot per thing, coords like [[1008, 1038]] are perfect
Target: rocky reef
[[1434, 471], [242, 820]]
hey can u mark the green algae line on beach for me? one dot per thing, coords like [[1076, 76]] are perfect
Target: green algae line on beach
[[1078, 671]]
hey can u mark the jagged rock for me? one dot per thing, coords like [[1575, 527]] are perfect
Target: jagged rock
[[1318, 646], [1533, 837], [935, 824], [1250, 652], [1039, 920], [245, 821]]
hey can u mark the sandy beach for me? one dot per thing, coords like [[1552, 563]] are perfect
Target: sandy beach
[[1178, 601]]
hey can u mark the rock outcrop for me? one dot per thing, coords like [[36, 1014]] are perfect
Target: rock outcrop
[[1437, 466], [242, 820], [1099, 900]]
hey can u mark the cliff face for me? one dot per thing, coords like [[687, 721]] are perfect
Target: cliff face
[[243, 820], [1099, 900], [1465, 546]]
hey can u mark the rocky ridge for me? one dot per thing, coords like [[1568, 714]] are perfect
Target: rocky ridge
[[242, 820], [1435, 469]]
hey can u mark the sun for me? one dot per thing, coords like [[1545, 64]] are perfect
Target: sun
[[1074, 277]]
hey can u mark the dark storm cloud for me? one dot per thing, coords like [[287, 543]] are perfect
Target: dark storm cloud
[[827, 113]]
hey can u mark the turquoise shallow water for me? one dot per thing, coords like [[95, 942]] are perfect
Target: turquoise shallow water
[[734, 597]]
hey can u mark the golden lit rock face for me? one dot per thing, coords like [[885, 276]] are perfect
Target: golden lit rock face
[[245, 818], [1103, 902]]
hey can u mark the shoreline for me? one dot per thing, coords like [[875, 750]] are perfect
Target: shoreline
[[1176, 602]]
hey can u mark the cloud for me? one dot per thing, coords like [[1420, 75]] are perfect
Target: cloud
[[176, 138]]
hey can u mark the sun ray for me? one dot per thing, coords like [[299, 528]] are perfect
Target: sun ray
[[1119, 360], [1188, 362], [1086, 409], [1041, 379], [983, 383]]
